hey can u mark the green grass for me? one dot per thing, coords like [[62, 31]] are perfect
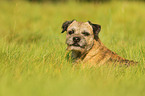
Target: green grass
[[32, 49]]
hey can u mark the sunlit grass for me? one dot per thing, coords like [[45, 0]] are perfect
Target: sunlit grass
[[32, 49]]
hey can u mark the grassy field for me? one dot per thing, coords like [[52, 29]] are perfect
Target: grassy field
[[32, 49]]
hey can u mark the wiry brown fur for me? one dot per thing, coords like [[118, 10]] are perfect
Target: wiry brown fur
[[99, 55], [94, 53]]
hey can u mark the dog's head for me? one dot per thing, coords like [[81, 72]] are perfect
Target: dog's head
[[80, 35]]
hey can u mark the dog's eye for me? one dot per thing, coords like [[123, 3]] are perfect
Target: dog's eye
[[86, 33], [71, 32]]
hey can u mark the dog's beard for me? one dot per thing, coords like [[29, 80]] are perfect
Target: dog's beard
[[79, 47], [75, 48]]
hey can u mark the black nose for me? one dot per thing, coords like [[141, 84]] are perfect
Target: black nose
[[76, 39]]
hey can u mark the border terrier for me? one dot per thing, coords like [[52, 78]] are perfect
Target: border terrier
[[83, 41]]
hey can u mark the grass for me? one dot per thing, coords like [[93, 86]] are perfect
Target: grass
[[32, 49]]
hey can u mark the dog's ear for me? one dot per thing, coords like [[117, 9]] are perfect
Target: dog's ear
[[96, 28], [65, 25]]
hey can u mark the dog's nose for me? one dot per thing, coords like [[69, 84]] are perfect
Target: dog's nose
[[76, 39]]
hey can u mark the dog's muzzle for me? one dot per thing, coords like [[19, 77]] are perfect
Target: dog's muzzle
[[76, 41]]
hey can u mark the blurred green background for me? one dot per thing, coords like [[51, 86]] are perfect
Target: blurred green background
[[76, 0], [32, 48]]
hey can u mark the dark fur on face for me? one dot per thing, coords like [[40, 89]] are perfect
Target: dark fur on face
[[96, 29], [65, 25]]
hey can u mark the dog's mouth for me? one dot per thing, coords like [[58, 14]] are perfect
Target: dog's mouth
[[77, 45]]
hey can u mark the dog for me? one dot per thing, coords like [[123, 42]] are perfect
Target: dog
[[83, 41]]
